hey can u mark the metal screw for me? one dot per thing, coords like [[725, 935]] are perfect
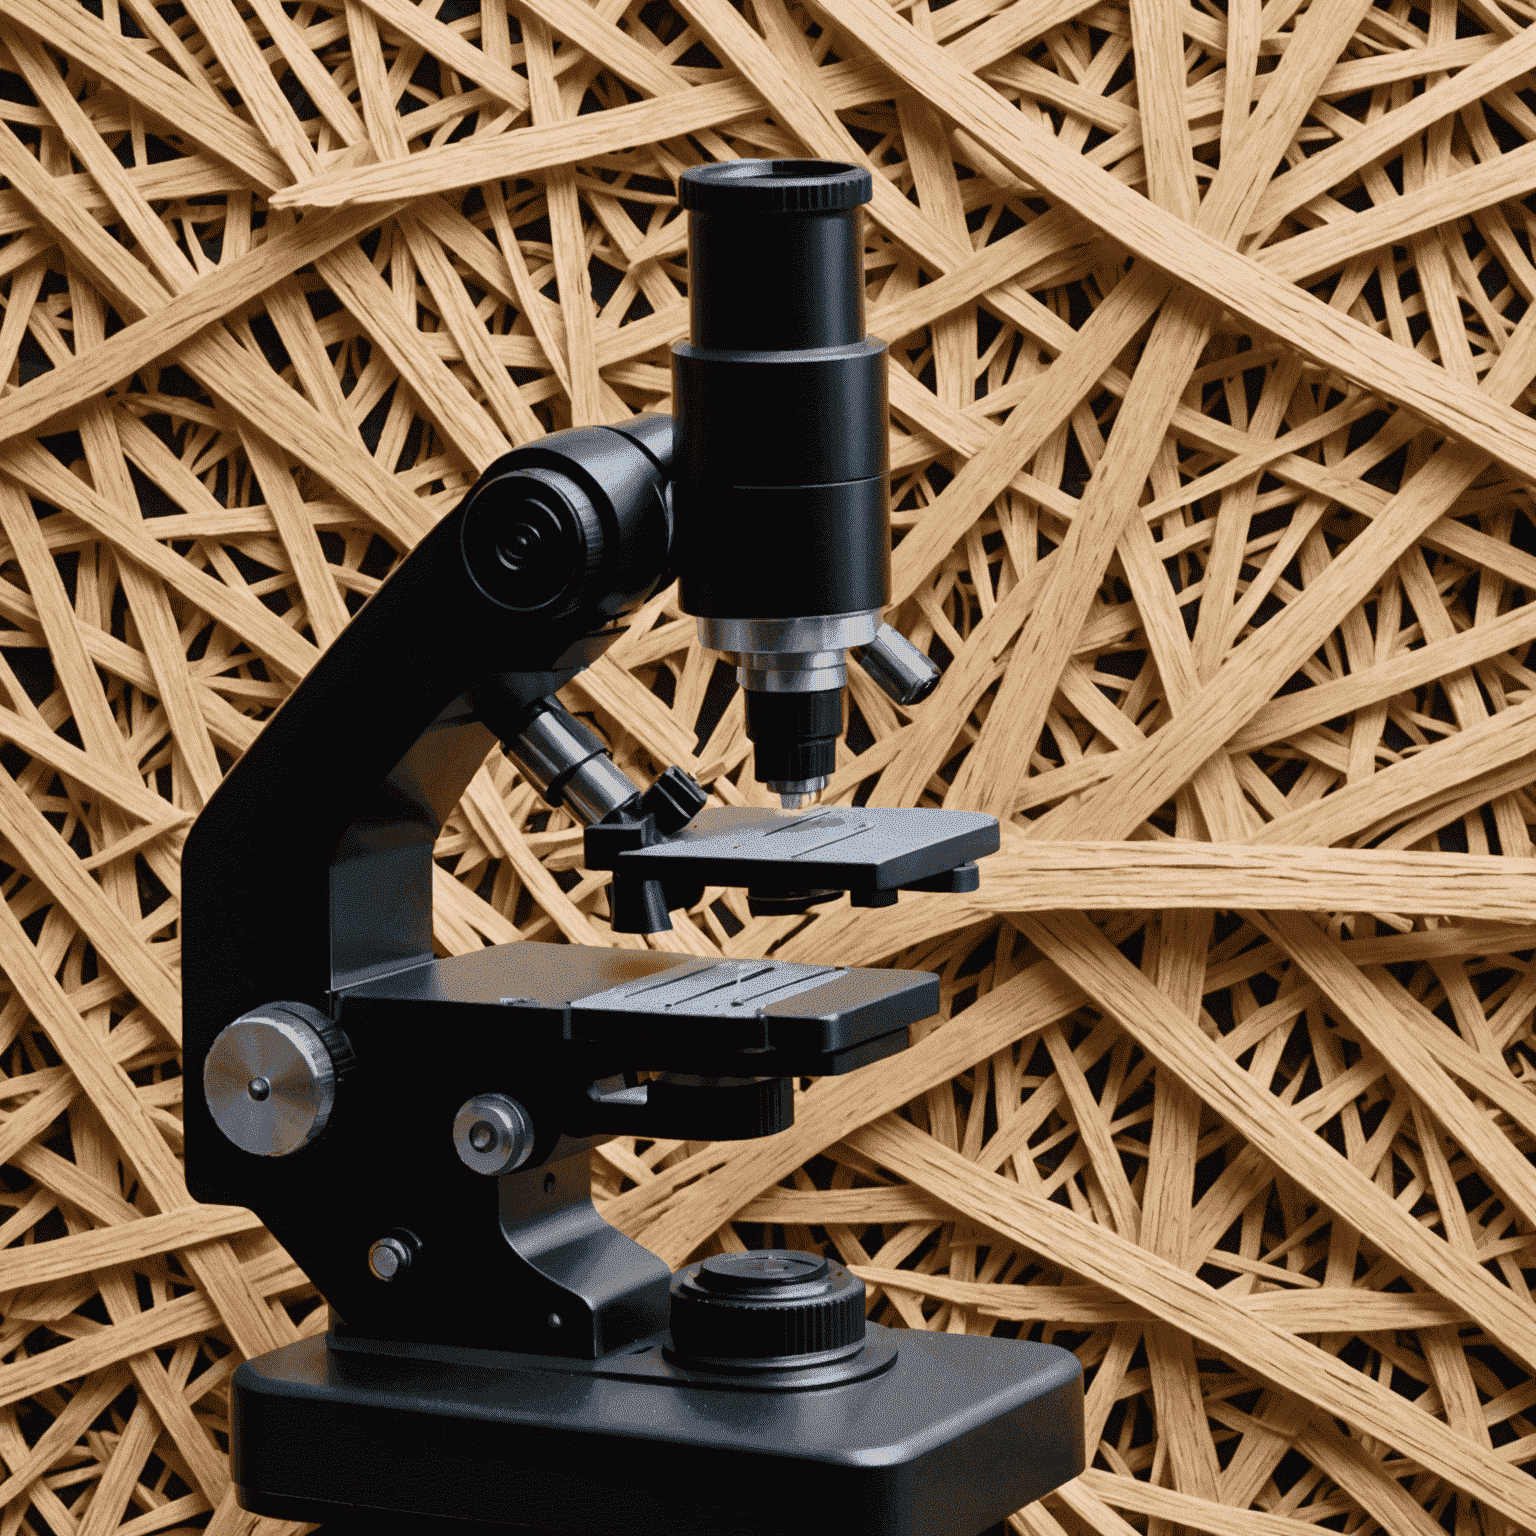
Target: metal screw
[[258, 1088], [555, 1320], [389, 1258]]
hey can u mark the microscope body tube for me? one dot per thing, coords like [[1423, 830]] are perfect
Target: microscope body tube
[[781, 484]]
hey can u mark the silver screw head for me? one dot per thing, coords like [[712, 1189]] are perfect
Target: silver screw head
[[388, 1258], [493, 1134]]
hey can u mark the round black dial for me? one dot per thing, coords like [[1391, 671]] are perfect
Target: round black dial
[[772, 1309]]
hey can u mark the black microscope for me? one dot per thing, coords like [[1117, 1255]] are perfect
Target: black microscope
[[415, 1131]]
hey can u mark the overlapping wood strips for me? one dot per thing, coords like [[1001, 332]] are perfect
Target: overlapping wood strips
[[1212, 351]]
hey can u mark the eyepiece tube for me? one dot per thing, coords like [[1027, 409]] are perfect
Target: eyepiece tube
[[781, 481]]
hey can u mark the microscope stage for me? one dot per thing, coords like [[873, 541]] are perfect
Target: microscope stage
[[845, 848], [954, 1436], [667, 1011]]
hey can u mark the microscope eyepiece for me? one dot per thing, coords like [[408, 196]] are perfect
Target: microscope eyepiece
[[781, 483]]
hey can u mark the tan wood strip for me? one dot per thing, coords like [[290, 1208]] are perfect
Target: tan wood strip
[[1334, 165], [1081, 951], [1507, 738], [67, 1257], [1191, 257], [1041, 876], [148, 599], [488, 815], [52, 862], [309, 71], [232, 285], [47, 478], [443, 42], [458, 415], [1414, 1061], [70, 1426], [1128, 1270], [625, 57], [526, 149], [326, 610], [149, 83], [1440, 202], [235, 49], [230, 1299], [247, 386], [567, 235], [1168, 1504], [1227, 701]]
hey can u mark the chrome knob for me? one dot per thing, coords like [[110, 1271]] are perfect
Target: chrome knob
[[270, 1077], [493, 1134], [901, 670]]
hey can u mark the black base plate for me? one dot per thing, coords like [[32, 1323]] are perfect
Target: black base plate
[[958, 1433]]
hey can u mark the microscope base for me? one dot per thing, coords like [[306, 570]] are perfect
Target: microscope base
[[954, 1436]]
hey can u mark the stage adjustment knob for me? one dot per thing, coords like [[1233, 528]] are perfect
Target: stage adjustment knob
[[493, 1134], [270, 1077], [777, 1309]]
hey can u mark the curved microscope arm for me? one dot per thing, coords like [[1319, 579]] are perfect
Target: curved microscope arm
[[310, 870]]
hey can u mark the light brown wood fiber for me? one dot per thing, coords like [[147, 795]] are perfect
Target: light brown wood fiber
[[1211, 372]]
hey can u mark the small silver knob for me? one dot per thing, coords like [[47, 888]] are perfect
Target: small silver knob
[[388, 1258], [902, 671], [493, 1134], [270, 1078]]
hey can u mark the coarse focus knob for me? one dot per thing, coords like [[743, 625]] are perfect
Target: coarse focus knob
[[270, 1077], [777, 1309]]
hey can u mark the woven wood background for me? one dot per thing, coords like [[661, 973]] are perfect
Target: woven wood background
[[1212, 344]]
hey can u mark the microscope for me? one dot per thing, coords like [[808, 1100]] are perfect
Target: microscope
[[415, 1131]]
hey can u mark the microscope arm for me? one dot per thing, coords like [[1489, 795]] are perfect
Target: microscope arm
[[309, 874]]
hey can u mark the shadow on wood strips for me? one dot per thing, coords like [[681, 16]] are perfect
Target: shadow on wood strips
[[1211, 341]]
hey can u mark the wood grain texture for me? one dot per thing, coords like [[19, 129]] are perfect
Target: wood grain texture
[[1212, 362]]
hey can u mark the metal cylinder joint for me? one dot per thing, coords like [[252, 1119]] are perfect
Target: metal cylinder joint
[[568, 764]]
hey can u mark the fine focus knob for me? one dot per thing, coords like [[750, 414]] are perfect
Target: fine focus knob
[[270, 1077], [776, 1309]]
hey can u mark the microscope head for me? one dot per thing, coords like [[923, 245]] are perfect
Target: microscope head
[[781, 481]]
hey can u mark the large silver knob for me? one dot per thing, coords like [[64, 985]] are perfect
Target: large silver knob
[[270, 1077]]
